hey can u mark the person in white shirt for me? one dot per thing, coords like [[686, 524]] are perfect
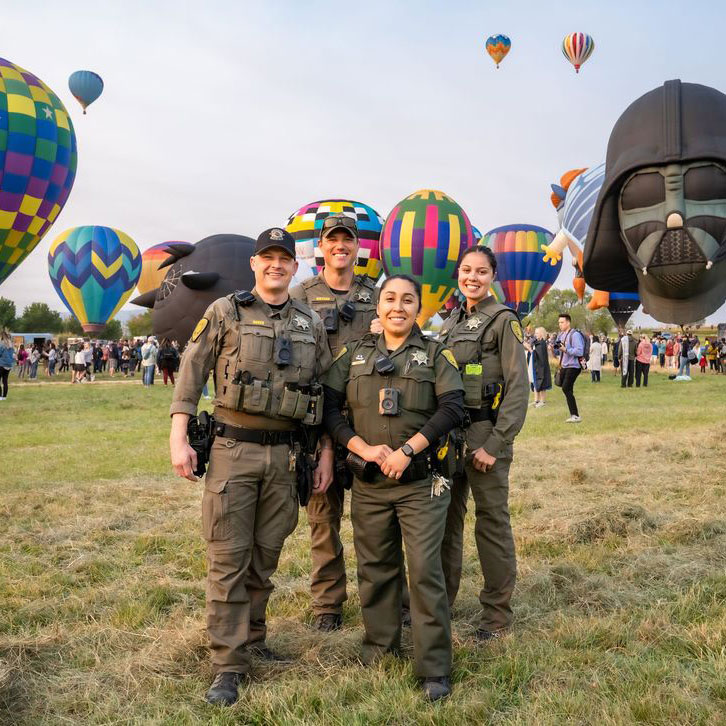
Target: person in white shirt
[[595, 361], [149, 351], [79, 366]]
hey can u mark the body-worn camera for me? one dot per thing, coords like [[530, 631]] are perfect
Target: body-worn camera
[[388, 401], [330, 319], [384, 365], [282, 351], [347, 311]]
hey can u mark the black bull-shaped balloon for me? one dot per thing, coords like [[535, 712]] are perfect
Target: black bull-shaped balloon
[[198, 274]]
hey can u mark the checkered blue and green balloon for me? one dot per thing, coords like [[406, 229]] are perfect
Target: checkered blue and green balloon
[[38, 159]]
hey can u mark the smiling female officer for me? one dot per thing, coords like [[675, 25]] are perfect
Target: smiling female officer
[[486, 340], [403, 393]]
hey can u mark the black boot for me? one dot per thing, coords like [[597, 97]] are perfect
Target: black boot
[[223, 690], [328, 622], [436, 688], [405, 617]]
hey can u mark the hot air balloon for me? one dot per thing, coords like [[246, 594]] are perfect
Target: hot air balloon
[[522, 278], [498, 46], [454, 302], [424, 236], [576, 195], [196, 276], [37, 162], [305, 225], [86, 86], [577, 48], [621, 306], [94, 271], [151, 272]]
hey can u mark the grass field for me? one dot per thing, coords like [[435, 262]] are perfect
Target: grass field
[[620, 524]]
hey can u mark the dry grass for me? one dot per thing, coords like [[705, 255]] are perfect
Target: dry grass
[[620, 605]]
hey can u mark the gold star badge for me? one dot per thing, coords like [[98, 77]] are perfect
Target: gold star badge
[[300, 322], [473, 323], [420, 358]]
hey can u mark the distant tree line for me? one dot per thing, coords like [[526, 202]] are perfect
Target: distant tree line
[[555, 302], [39, 318]]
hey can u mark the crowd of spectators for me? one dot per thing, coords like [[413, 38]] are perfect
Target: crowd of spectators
[[84, 360]]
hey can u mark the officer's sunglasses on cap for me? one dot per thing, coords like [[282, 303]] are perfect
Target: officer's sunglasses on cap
[[340, 221]]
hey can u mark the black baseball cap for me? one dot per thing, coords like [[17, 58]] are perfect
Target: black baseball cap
[[339, 221], [275, 237]]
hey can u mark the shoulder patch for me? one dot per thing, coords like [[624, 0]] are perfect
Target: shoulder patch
[[516, 329], [201, 327], [341, 353], [450, 357]]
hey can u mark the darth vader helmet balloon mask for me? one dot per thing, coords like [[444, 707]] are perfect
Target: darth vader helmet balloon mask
[[659, 226]]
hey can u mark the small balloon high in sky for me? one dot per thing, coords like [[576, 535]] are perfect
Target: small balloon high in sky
[[86, 86]]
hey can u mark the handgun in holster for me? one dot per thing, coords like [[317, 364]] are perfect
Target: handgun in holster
[[342, 474], [305, 465], [200, 432]]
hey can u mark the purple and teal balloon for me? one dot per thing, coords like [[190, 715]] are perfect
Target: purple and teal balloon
[[94, 271], [37, 162], [523, 278], [86, 86]]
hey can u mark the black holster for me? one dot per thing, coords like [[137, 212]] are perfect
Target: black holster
[[200, 432], [305, 465], [342, 473]]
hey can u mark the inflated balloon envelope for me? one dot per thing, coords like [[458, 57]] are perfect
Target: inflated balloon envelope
[[659, 224], [197, 274]]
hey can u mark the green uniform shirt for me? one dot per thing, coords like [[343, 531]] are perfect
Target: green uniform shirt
[[424, 370], [363, 294], [233, 340], [476, 337]]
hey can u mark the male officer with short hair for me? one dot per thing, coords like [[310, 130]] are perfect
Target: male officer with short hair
[[346, 302], [267, 352]]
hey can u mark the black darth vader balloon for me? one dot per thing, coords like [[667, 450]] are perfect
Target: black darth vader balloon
[[198, 274], [659, 225]]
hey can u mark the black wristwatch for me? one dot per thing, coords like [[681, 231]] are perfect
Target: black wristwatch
[[408, 450]]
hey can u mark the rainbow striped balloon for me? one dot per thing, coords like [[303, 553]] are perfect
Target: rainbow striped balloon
[[424, 236], [94, 271], [305, 225], [522, 278], [37, 162], [577, 48], [151, 258]]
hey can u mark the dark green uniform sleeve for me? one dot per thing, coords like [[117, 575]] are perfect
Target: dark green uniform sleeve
[[336, 376], [199, 358], [513, 408], [447, 373]]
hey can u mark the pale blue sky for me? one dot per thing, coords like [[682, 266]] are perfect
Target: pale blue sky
[[227, 116]]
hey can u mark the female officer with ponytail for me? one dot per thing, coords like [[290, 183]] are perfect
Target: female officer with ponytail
[[404, 395], [486, 340]]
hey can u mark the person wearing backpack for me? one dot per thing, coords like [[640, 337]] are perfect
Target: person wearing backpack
[[168, 360], [572, 346]]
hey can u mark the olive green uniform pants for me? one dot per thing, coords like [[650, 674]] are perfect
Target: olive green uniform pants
[[382, 513], [249, 507], [492, 532], [328, 582]]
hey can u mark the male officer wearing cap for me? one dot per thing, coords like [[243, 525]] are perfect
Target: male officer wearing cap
[[346, 302], [267, 352]]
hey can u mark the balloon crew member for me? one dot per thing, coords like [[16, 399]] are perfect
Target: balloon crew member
[[404, 395], [485, 338], [346, 302], [266, 352]]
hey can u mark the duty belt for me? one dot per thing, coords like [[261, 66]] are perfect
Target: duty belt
[[266, 438]]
